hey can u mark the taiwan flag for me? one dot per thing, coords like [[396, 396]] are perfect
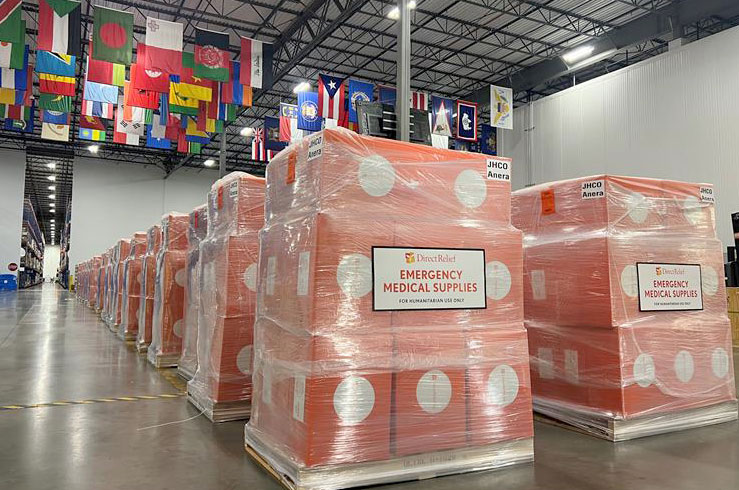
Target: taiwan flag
[[112, 35]]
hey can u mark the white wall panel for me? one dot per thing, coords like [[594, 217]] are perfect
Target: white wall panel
[[675, 116], [12, 182]]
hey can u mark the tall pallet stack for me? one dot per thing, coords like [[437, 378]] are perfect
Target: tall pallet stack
[[229, 255], [389, 334], [131, 290], [732, 295], [94, 277], [148, 283], [103, 291], [625, 305], [197, 230], [122, 250], [169, 292]]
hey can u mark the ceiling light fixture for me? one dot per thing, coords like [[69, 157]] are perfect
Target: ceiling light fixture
[[301, 87], [209, 162], [51, 165], [94, 149], [51, 177], [52, 220], [578, 54], [247, 132], [52, 196], [52, 205], [52, 211], [52, 187], [394, 13]]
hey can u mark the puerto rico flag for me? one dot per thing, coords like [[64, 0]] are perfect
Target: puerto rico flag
[[330, 97]]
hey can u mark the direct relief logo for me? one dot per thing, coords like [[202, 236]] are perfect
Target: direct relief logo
[[410, 257], [675, 271], [659, 271]]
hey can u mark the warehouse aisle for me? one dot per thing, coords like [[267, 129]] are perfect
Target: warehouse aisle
[[53, 349]]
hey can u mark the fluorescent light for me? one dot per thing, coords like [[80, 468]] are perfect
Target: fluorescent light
[[247, 132], [51, 177], [93, 148], [52, 220], [52, 211], [209, 162], [301, 87], [577, 54], [52, 196], [52, 187], [51, 165], [52, 205], [394, 12]]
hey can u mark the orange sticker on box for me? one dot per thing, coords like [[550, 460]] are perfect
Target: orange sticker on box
[[547, 202], [291, 162], [220, 197]]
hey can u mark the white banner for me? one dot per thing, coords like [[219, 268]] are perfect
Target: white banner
[[501, 107], [669, 287]]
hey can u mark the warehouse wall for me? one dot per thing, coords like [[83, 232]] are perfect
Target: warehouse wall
[[12, 182], [674, 116], [111, 201]]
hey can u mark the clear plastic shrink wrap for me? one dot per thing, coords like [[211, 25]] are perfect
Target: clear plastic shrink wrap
[[229, 255], [108, 291], [197, 229], [131, 290], [169, 292], [100, 300], [92, 281], [356, 384], [625, 305], [122, 250], [148, 278]]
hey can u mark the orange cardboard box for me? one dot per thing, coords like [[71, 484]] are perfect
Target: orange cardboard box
[[123, 248], [148, 274], [131, 296]]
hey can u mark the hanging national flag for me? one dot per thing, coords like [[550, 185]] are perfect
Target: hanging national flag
[[163, 46], [212, 58], [133, 119], [112, 35], [91, 134], [330, 97], [466, 121], [358, 91], [420, 101], [488, 140], [12, 28], [256, 63], [258, 152], [140, 98], [153, 142], [272, 134], [233, 92], [194, 135], [55, 132], [441, 116], [15, 78], [52, 102], [92, 122], [104, 71], [12, 55], [308, 117], [143, 79], [226, 112], [12, 96], [119, 135], [191, 92], [386, 94], [59, 23], [13, 111], [98, 109], [99, 92], [24, 125], [55, 84], [158, 128], [288, 122], [55, 64], [181, 104], [55, 117], [501, 107]]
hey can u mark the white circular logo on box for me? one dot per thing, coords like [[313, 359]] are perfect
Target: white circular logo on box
[[502, 386], [720, 362], [243, 359], [644, 373], [692, 210], [497, 280], [637, 207], [470, 189], [629, 283], [433, 392], [376, 175], [250, 277], [179, 277], [354, 400], [354, 275], [177, 328], [709, 280], [684, 366]]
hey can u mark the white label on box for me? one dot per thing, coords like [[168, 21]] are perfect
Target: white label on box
[[593, 189], [271, 273], [707, 195], [538, 285], [233, 189], [428, 278], [499, 168], [303, 273], [669, 287], [545, 359], [315, 146], [571, 371], [299, 398]]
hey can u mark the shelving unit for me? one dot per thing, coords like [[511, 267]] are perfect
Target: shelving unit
[[62, 274], [31, 271]]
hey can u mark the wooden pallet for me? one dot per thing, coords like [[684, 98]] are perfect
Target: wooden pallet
[[221, 411], [164, 360], [409, 468]]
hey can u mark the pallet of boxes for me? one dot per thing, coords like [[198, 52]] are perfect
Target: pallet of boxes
[[389, 338], [625, 305], [148, 283], [131, 289], [732, 295]]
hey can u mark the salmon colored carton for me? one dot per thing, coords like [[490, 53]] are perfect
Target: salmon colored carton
[[148, 286], [197, 230], [93, 275], [131, 295], [229, 256], [108, 289], [169, 292], [123, 249]]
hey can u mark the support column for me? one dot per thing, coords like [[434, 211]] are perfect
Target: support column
[[403, 90]]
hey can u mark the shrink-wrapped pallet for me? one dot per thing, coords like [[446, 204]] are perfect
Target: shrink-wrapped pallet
[[389, 337], [229, 255], [122, 250], [197, 229], [131, 291], [625, 305], [148, 283]]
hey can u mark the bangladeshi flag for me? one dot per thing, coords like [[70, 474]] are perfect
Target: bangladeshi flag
[[59, 25], [112, 35], [212, 58]]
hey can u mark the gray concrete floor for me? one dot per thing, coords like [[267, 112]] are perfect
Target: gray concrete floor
[[52, 348]]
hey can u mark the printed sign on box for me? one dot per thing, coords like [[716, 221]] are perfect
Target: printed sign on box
[[669, 287], [406, 278]]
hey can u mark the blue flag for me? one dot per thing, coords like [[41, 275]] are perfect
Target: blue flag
[[161, 143], [308, 118], [22, 125], [55, 117], [488, 140], [441, 115], [272, 134], [466, 121], [358, 91], [387, 94], [55, 64], [100, 92]]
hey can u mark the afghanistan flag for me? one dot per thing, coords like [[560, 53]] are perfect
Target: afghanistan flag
[[56, 84], [112, 35], [12, 55], [59, 23], [12, 27], [91, 134], [52, 102], [212, 58]]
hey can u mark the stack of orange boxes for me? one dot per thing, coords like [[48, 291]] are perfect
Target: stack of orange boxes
[[148, 282], [131, 291], [229, 257], [122, 250], [625, 305], [169, 292], [389, 338], [100, 300], [197, 230], [108, 286], [92, 289]]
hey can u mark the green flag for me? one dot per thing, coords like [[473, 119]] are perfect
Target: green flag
[[11, 28], [53, 102], [112, 36]]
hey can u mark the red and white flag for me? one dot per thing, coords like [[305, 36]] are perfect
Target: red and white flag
[[330, 97], [257, 146], [163, 46], [420, 101], [256, 63], [98, 109]]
